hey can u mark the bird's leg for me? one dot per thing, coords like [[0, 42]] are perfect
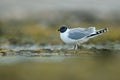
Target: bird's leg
[[75, 47]]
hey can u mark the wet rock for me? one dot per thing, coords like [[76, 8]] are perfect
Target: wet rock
[[6, 52], [57, 52]]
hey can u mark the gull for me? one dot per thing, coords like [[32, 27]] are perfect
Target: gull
[[77, 36]]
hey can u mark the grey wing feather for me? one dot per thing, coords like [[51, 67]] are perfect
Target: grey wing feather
[[91, 30], [78, 33]]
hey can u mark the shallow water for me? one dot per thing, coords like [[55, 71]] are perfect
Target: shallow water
[[84, 67], [60, 62]]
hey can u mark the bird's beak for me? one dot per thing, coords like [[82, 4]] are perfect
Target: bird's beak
[[58, 29]]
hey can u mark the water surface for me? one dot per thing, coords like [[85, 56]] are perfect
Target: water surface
[[55, 63]]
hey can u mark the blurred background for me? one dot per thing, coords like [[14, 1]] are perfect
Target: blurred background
[[37, 21]]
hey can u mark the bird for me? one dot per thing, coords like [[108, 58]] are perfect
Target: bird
[[77, 36]]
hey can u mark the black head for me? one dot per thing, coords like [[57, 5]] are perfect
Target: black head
[[63, 28]]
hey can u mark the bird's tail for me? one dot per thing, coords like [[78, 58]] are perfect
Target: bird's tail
[[98, 32]]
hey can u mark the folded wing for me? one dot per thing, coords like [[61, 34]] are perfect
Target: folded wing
[[79, 33]]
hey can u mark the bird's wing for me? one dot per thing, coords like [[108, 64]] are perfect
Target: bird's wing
[[91, 30], [78, 33]]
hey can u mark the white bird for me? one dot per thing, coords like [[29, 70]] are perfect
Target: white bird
[[76, 36]]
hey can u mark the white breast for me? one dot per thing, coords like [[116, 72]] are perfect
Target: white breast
[[65, 39]]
